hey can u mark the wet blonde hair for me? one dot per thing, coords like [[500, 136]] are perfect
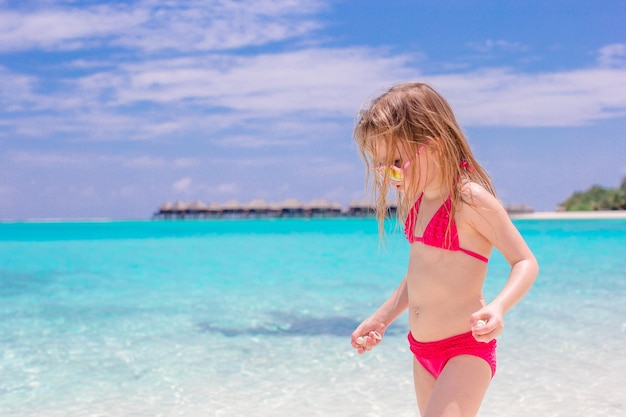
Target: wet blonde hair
[[407, 117]]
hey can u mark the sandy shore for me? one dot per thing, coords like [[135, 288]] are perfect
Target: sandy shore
[[549, 215]]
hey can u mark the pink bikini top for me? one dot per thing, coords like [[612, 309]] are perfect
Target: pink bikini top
[[435, 231]]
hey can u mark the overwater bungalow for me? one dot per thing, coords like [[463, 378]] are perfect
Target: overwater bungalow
[[322, 208], [260, 208], [170, 210], [290, 208], [165, 210], [197, 209], [214, 210], [518, 208], [232, 208], [366, 208], [361, 208]]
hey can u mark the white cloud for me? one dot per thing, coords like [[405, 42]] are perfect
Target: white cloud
[[201, 25], [62, 29], [16, 91], [149, 162], [224, 188], [183, 92], [490, 45], [125, 191], [253, 142], [145, 162], [613, 55], [49, 159], [152, 25], [185, 162], [336, 82], [188, 186], [505, 98], [43, 159], [183, 185], [320, 80], [137, 96]]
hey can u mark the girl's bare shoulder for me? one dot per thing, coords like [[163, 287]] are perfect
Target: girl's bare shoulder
[[479, 201], [482, 212], [474, 193]]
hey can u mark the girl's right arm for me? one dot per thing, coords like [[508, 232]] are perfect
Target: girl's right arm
[[381, 319], [492, 221]]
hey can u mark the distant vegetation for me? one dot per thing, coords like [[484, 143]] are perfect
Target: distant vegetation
[[598, 198]]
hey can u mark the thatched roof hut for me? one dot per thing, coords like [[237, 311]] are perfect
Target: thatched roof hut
[[258, 207], [290, 208], [167, 206], [180, 208], [166, 210], [519, 208], [361, 208], [322, 208], [232, 208], [214, 210], [197, 208]]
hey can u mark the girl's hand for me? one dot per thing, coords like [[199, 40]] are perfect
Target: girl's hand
[[368, 335], [487, 324]]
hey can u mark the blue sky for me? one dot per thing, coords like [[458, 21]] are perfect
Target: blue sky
[[109, 108]]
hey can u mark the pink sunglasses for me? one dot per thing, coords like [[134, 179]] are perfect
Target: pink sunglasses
[[394, 173]]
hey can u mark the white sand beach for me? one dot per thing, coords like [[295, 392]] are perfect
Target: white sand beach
[[573, 215]]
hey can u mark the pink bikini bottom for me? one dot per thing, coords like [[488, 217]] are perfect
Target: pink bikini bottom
[[434, 355]]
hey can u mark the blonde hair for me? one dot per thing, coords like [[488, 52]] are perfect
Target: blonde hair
[[409, 116]]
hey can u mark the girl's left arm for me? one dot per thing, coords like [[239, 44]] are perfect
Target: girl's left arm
[[492, 221]]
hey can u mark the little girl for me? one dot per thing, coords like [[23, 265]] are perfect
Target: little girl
[[410, 138]]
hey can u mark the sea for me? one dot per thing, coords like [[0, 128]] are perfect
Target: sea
[[252, 317]]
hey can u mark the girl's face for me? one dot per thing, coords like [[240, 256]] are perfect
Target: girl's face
[[406, 171]]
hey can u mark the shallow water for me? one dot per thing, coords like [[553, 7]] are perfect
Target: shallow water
[[253, 317]]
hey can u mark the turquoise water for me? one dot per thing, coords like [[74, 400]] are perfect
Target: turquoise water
[[253, 317]]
